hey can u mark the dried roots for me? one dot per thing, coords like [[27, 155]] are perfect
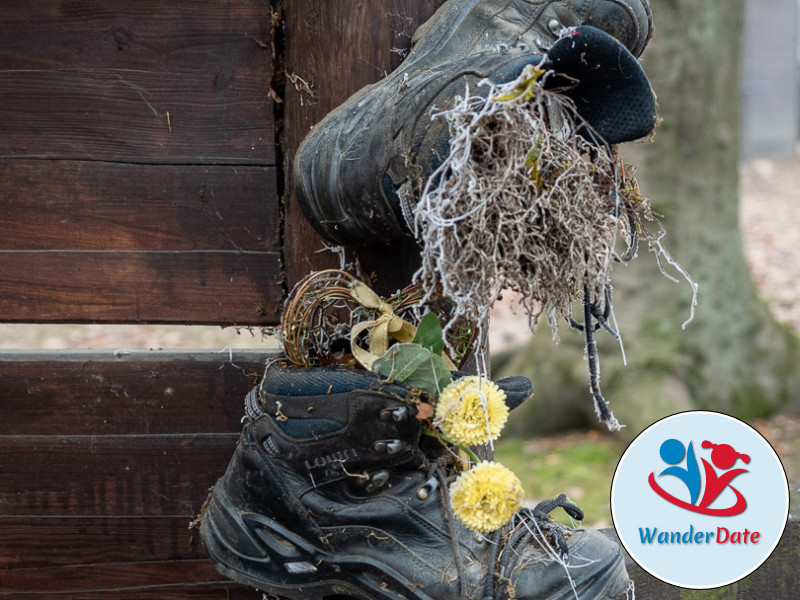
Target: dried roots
[[523, 202]]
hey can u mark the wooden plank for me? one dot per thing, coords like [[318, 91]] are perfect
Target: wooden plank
[[74, 205], [222, 590], [107, 115], [171, 580], [119, 393], [198, 591], [199, 287], [167, 35], [107, 516], [35, 542], [156, 81], [377, 35], [115, 476], [107, 576]]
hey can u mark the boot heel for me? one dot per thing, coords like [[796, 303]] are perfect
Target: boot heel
[[255, 550], [227, 539]]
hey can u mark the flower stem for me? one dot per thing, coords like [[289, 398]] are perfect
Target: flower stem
[[473, 457]]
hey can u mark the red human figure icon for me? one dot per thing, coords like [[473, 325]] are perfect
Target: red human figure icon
[[724, 457]]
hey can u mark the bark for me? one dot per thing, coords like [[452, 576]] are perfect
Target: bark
[[734, 357]]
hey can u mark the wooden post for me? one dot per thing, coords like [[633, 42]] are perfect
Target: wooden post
[[332, 49]]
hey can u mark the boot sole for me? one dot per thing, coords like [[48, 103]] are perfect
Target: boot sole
[[259, 552]]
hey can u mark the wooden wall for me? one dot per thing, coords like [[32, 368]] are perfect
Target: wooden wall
[[145, 147], [104, 462], [137, 163]]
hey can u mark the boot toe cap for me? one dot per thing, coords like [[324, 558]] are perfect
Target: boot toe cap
[[630, 21], [594, 568]]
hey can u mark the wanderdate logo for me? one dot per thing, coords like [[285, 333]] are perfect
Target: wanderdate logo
[[699, 499], [716, 476]]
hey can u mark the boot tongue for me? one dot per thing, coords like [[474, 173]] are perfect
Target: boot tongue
[[612, 94]]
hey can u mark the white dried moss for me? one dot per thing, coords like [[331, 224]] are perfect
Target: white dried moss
[[521, 202]]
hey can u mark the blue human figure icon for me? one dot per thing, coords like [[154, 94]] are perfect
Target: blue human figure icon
[[672, 453]]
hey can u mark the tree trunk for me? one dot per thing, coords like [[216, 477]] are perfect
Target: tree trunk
[[733, 357]]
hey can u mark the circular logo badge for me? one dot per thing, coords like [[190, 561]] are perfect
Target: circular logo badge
[[699, 499]]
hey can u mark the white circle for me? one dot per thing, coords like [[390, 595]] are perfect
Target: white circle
[[675, 527]]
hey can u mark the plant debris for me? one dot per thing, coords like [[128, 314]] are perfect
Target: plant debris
[[525, 202]]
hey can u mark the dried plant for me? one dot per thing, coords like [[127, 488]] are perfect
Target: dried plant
[[524, 201]]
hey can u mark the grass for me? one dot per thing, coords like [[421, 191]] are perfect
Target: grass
[[582, 465]]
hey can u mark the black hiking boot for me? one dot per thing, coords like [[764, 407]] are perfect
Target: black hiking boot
[[358, 174], [333, 492]]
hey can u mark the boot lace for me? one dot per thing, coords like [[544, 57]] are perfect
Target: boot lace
[[528, 524], [531, 525]]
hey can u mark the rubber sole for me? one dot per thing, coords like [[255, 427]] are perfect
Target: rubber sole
[[259, 552]]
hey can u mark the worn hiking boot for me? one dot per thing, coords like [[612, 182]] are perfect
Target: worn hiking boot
[[463, 27], [333, 492], [360, 172]]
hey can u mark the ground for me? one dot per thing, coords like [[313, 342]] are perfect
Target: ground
[[580, 463]]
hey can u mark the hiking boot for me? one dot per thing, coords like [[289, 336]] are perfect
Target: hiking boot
[[349, 169], [333, 492], [359, 173], [463, 27]]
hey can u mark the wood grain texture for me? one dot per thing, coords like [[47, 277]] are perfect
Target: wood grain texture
[[82, 540], [110, 475], [151, 81], [178, 579], [138, 183], [132, 217], [200, 287], [337, 47], [102, 470], [224, 590], [78, 205], [112, 393]]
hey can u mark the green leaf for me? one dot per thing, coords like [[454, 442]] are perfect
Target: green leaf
[[429, 334], [414, 366]]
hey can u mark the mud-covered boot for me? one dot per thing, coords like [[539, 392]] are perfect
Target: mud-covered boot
[[358, 174], [333, 492]]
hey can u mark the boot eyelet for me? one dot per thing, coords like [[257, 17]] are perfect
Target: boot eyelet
[[374, 482], [427, 488], [379, 478], [396, 414], [387, 446]]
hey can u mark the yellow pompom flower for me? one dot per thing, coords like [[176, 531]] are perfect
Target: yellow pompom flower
[[486, 497], [471, 411]]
